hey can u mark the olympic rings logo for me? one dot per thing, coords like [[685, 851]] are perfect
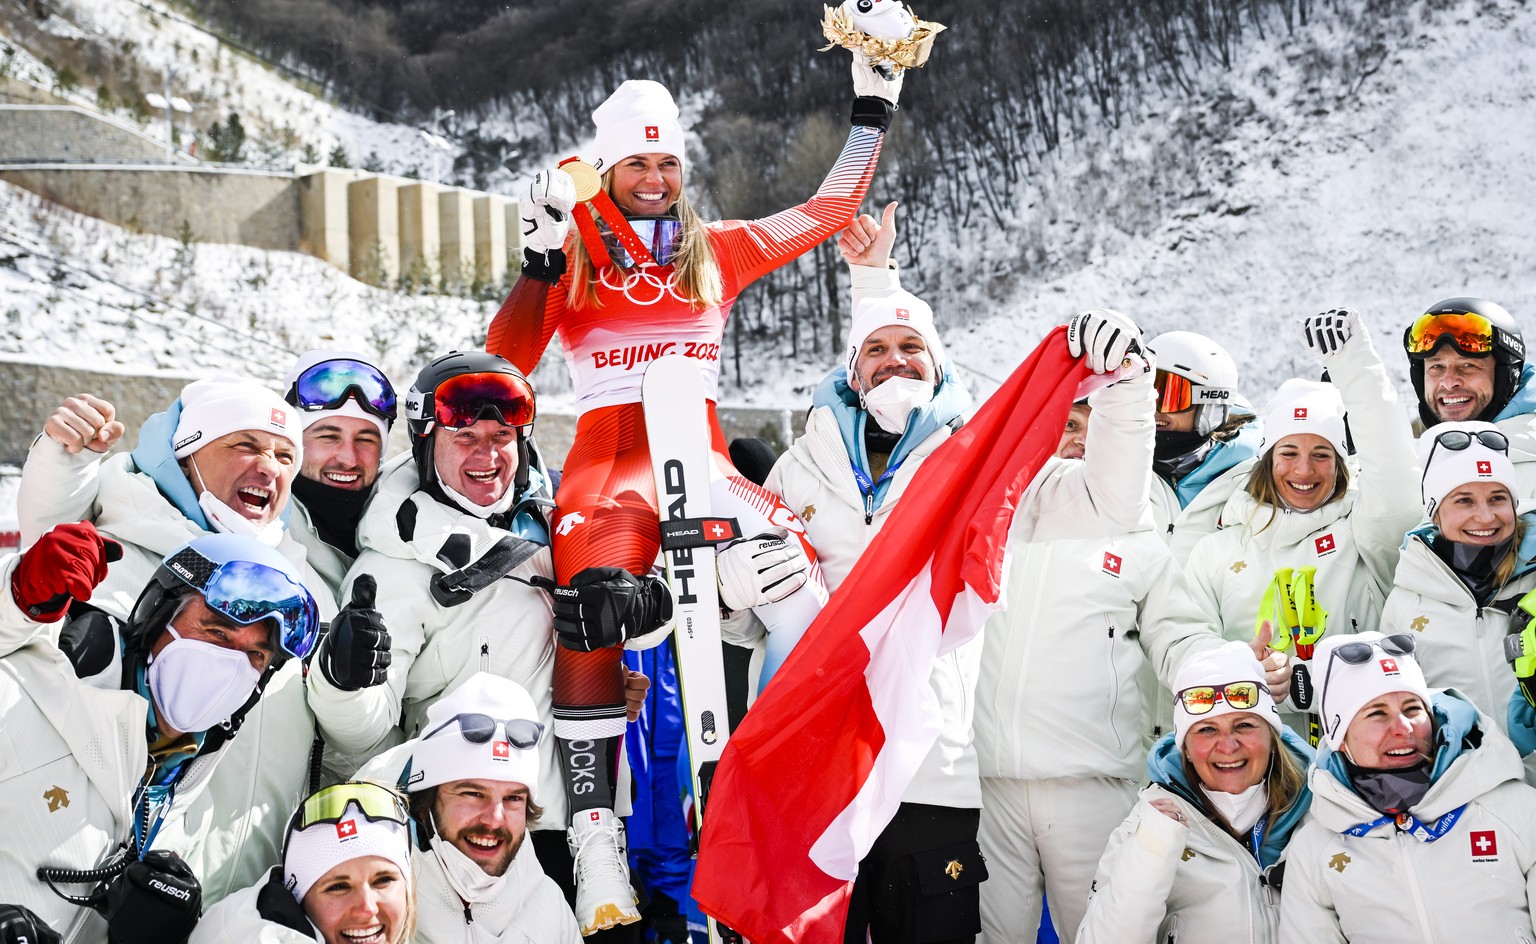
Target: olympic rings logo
[[642, 285]]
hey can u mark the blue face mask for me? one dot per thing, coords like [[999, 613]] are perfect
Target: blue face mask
[[661, 236]]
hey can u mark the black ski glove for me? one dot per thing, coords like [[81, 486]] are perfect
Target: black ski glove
[[355, 653], [603, 606], [155, 901], [18, 925]]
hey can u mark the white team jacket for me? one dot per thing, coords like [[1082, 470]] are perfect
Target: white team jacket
[[1353, 542], [1182, 528], [530, 909], [1191, 884], [1067, 498], [235, 920], [506, 629], [1475, 883], [1059, 694], [1521, 430]]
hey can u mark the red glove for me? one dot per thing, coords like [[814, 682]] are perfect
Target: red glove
[[65, 564]]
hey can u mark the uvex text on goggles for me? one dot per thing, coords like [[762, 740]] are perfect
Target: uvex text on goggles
[[249, 592], [462, 400], [1470, 332], [328, 384], [478, 728]]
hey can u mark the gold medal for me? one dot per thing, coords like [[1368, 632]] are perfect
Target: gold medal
[[586, 178]]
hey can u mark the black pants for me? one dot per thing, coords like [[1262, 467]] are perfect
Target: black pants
[[920, 882], [555, 857]]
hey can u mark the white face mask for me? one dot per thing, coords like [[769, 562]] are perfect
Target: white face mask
[[479, 511], [892, 402], [464, 874], [229, 521], [1242, 810], [196, 684]]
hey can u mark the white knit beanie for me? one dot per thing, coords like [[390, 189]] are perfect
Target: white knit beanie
[[1343, 689], [1446, 470], [640, 117], [1230, 662], [224, 405], [349, 406], [446, 756], [312, 852], [902, 309], [1305, 406]]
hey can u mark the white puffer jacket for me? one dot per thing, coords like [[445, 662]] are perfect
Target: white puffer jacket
[[74, 755], [1084, 618], [506, 629], [1068, 498], [1353, 542], [1474, 883], [236, 920], [233, 832], [529, 910]]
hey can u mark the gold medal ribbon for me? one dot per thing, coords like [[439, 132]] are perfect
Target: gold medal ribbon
[[590, 195]]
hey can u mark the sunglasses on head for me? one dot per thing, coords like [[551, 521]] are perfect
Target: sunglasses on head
[[1458, 439], [1200, 699], [1358, 653], [465, 399], [1470, 332], [478, 728], [328, 384]]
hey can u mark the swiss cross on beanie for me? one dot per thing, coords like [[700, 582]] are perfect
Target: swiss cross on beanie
[[1446, 470], [902, 309], [1344, 688], [224, 405], [310, 853], [447, 756], [1305, 406], [640, 117]]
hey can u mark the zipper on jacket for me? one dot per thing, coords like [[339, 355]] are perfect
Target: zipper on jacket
[[1405, 845], [1114, 683], [485, 653], [869, 507]]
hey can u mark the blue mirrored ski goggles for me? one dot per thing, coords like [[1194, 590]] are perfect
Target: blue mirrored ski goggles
[[660, 235], [328, 384], [248, 592]]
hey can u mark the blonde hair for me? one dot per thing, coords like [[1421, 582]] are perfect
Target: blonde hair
[[1261, 483], [1287, 781], [698, 273]]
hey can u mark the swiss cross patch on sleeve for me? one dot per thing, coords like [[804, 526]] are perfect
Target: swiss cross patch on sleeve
[[1325, 545], [1485, 845], [1111, 564]]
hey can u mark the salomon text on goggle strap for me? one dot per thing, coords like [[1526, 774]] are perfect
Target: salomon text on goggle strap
[[1200, 699], [478, 728], [1458, 439], [248, 592], [328, 384], [462, 400], [1469, 331], [375, 801]]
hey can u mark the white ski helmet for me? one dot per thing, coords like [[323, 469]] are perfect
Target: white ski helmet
[[1194, 371]]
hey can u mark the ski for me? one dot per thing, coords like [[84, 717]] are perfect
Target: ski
[[677, 427]]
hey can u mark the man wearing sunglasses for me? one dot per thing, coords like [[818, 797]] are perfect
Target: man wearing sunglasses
[[346, 406], [473, 776], [217, 621], [1466, 360], [221, 459]]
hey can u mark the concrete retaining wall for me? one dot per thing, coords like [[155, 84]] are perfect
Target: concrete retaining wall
[[34, 133], [33, 391]]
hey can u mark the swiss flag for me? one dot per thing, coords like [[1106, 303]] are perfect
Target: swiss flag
[[1300, 413], [652, 133], [279, 417], [1325, 544], [903, 314], [500, 750], [1484, 467], [1388, 666], [1111, 564], [818, 768], [720, 529], [1485, 842], [346, 829]]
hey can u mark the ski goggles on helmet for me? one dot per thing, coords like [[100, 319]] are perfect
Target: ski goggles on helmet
[[1200, 699], [328, 384], [660, 235], [465, 399], [1177, 393], [1470, 332], [478, 728], [248, 592]]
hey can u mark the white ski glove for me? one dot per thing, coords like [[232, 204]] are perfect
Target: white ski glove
[[1105, 336], [764, 568], [546, 210], [1326, 333], [878, 81]]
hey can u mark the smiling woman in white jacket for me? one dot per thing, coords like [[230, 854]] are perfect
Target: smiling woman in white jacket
[[1421, 829], [1193, 860], [1304, 506]]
